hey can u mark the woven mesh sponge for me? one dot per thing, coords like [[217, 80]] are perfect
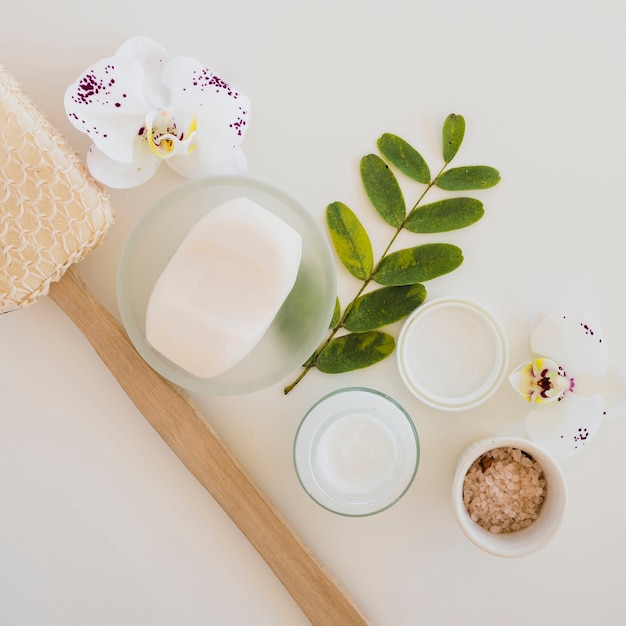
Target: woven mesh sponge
[[52, 212]]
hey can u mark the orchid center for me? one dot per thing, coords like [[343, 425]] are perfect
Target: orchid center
[[164, 136], [554, 383], [542, 381]]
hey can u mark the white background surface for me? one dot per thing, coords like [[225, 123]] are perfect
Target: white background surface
[[100, 524]]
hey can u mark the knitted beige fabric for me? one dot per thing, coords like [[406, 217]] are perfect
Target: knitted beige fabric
[[52, 212]]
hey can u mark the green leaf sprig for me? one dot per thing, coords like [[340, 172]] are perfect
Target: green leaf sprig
[[398, 274]]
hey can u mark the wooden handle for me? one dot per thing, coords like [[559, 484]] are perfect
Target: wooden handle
[[198, 446]]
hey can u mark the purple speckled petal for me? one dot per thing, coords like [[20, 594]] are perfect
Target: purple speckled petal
[[574, 340], [222, 111], [106, 102], [565, 428], [123, 175]]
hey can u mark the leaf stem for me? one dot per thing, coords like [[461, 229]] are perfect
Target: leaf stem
[[311, 363]]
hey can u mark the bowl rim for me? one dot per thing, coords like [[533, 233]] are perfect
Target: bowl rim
[[160, 209]]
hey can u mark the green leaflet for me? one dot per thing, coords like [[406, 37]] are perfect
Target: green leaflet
[[383, 190], [351, 242], [355, 351], [384, 306], [419, 264], [445, 215], [403, 156], [452, 136], [469, 177], [333, 322], [336, 314]]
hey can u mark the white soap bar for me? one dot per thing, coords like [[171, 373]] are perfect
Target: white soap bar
[[223, 287]]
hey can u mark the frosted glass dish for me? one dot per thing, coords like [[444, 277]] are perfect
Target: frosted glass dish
[[300, 324], [356, 452]]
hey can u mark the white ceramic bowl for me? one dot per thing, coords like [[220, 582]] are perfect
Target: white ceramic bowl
[[452, 354], [542, 530], [299, 326], [356, 452]]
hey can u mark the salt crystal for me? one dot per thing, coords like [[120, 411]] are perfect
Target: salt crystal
[[504, 490]]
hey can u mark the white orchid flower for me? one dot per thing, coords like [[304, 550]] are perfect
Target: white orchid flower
[[573, 385], [141, 107]]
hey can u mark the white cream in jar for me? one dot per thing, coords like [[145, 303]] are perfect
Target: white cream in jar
[[356, 451]]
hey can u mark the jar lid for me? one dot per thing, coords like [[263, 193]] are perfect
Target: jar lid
[[452, 354]]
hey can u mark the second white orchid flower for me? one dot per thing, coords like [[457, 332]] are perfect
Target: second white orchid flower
[[572, 386], [142, 106]]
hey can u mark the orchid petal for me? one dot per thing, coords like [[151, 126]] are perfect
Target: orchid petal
[[106, 103], [221, 110], [611, 386], [574, 340], [565, 428], [152, 57], [523, 379], [613, 390], [123, 175], [210, 159]]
